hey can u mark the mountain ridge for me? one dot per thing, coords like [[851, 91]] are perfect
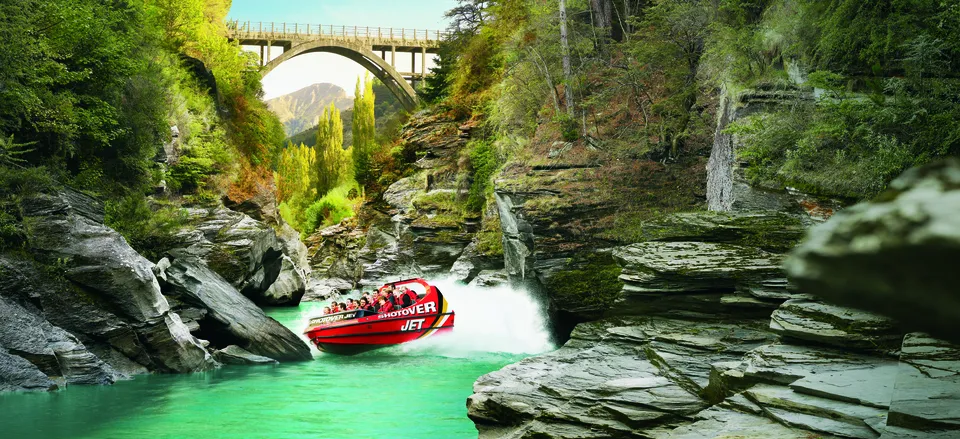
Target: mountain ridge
[[298, 111]]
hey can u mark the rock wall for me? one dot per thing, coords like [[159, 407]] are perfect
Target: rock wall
[[708, 339], [419, 228], [727, 188], [266, 265], [708, 342], [79, 306]]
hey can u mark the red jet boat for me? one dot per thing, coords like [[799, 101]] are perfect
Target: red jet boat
[[353, 332]]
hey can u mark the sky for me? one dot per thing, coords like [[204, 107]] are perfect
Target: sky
[[313, 68]]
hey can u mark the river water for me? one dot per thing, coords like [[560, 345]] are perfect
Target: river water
[[412, 391]]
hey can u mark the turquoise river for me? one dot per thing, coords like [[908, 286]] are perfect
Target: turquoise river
[[414, 391]]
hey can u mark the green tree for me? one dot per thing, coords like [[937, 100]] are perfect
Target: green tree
[[364, 132], [332, 161]]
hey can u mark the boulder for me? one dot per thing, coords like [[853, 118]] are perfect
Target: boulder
[[231, 318], [237, 355], [689, 267], [816, 414], [335, 259], [91, 254], [471, 263], [490, 278], [698, 279], [926, 396], [112, 297], [19, 375], [55, 352], [289, 288], [895, 255], [246, 252], [613, 378], [319, 290], [834, 325]]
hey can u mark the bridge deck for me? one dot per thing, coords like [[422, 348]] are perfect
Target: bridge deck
[[377, 38]]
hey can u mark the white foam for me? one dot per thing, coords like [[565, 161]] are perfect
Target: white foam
[[496, 320]]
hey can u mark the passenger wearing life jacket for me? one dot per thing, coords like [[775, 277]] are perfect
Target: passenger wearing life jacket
[[412, 295], [385, 306], [326, 310], [351, 305], [334, 307], [402, 299]]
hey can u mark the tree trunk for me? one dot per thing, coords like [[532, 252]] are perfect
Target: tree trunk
[[603, 13], [565, 45]]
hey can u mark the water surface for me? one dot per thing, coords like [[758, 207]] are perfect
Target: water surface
[[413, 391]]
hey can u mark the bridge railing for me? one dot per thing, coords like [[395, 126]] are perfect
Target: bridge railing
[[279, 31]]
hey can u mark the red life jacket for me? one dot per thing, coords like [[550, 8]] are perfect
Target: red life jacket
[[413, 296], [351, 307], [386, 307]]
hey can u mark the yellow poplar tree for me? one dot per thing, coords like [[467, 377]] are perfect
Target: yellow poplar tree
[[332, 164], [364, 131], [293, 174]]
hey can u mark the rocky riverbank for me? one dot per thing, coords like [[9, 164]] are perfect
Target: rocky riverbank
[[78, 305], [707, 339]]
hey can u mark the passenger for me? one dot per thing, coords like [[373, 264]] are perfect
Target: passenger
[[393, 300], [326, 310], [334, 307], [403, 299], [385, 306], [351, 305], [343, 307], [414, 297]]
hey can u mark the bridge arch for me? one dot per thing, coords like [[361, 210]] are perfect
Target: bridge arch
[[360, 54]]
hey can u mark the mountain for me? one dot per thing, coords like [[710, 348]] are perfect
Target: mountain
[[300, 110], [387, 111]]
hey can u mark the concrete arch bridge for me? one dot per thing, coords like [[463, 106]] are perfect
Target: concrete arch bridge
[[356, 43]]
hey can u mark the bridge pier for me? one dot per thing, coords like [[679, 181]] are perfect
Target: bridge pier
[[423, 63], [393, 56]]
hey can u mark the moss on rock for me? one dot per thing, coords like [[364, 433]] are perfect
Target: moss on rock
[[590, 284]]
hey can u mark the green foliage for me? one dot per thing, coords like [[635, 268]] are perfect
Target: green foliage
[[77, 79], [490, 236], [438, 84], [148, 229], [364, 132], [333, 165], [339, 204], [485, 162], [11, 152], [313, 183]]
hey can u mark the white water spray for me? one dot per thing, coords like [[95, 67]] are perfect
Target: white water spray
[[500, 319]]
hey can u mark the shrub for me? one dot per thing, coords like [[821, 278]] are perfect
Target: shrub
[[337, 205], [485, 162], [147, 228]]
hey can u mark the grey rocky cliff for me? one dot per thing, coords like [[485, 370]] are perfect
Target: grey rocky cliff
[[248, 253], [82, 306]]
